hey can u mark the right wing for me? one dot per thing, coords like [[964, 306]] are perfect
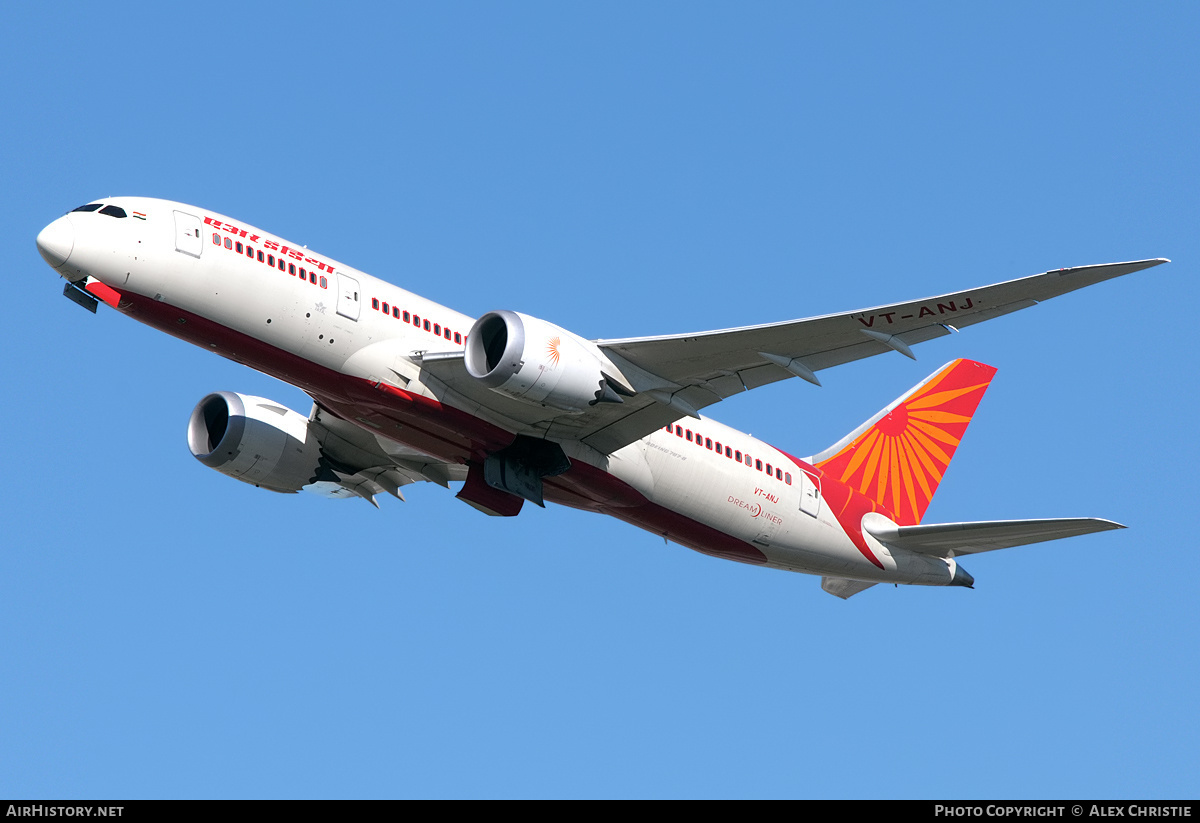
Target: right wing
[[705, 367], [817, 343], [676, 375]]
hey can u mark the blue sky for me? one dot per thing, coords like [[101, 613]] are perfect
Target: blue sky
[[618, 169]]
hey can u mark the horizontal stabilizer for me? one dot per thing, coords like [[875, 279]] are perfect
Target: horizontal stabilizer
[[944, 539], [844, 587]]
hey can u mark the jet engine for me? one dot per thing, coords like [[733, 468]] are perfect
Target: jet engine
[[256, 441], [538, 362]]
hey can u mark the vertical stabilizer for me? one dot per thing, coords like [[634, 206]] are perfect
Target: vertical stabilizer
[[898, 457]]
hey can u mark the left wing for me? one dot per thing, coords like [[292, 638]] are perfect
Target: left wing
[[677, 375], [355, 462]]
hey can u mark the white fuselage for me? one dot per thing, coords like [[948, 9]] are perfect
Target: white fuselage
[[315, 322]]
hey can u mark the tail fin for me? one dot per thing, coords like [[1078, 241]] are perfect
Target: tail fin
[[898, 457]]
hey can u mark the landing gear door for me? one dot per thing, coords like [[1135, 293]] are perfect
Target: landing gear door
[[187, 234], [348, 300], [810, 495]]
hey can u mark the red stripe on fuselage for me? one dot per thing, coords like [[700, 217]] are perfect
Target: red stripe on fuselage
[[592, 489], [447, 433], [442, 431]]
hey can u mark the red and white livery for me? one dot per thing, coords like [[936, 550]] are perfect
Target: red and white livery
[[516, 409]]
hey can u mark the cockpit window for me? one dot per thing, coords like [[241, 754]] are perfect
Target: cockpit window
[[113, 211], [89, 207]]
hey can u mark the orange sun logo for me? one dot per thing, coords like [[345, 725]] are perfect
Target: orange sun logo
[[552, 349], [899, 461]]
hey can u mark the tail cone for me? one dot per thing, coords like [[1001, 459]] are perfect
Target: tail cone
[[962, 578]]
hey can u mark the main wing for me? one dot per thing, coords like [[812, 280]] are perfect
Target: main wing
[[355, 462], [677, 375]]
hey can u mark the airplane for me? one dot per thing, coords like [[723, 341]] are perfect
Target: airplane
[[516, 408]]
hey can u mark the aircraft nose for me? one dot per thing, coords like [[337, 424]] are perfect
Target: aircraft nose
[[56, 242]]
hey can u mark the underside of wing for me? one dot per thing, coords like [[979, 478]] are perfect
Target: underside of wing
[[818, 343], [668, 377], [954, 539], [359, 463]]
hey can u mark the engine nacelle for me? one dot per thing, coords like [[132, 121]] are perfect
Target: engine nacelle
[[537, 362], [256, 441]]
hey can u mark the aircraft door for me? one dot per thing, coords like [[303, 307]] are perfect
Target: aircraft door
[[347, 304], [810, 495], [188, 233]]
